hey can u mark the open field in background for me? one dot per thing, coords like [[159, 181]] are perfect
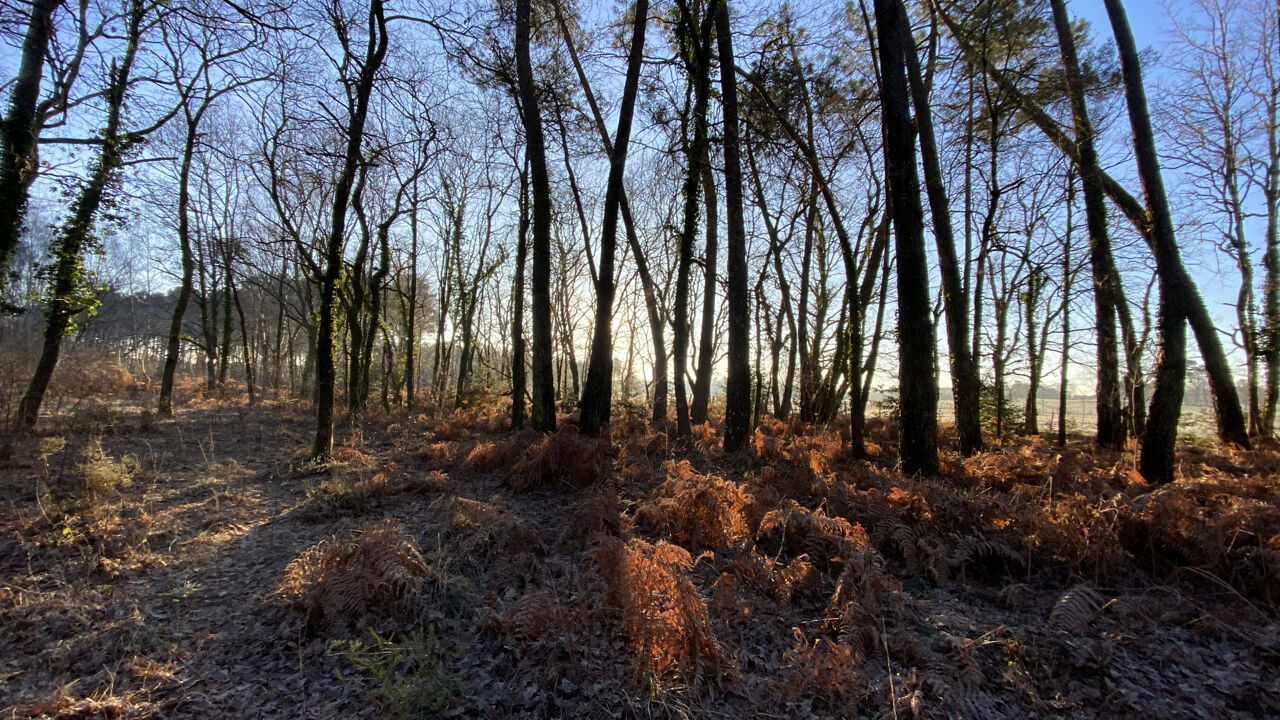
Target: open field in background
[[1195, 424]]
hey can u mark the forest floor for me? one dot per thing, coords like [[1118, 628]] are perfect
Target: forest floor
[[200, 567]]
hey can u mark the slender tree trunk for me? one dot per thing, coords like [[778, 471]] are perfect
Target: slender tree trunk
[[19, 131], [597, 396], [1031, 301], [228, 289], [737, 409], [67, 295], [802, 319], [917, 387], [965, 385], [1111, 427], [1157, 460], [173, 347], [706, 338], [1246, 307], [1226, 401], [544, 402], [1271, 260], [247, 355], [411, 312], [517, 314], [326, 372], [695, 40], [657, 324], [1067, 277]]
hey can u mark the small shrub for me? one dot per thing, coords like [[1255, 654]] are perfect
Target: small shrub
[[438, 455], [488, 532], [344, 491], [100, 474], [496, 454], [794, 530], [706, 440], [644, 444], [822, 669], [411, 677], [433, 481]]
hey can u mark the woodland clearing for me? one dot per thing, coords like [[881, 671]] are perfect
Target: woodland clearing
[[443, 566]]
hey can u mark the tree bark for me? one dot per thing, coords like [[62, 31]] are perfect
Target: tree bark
[[917, 386], [518, 380], [1226, 401], [173, 346], [737, 408], [1157, 462], [1111, 427], [544, 401], [965, 384], [20, 130], [68, 294], [326, 374], [597, 395]]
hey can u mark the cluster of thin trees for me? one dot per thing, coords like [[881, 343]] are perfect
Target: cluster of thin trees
[[427, 203]]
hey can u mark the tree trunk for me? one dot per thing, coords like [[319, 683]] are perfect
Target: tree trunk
[[1271, 260], [917, 387], [706, 338], [965, 385], [1031, 301], [544, 402], [657, 324], [173, 347], [68, 295], [20, 130], [1157, 461], [737, 407], [1111, 427], [1226, 401], [1067, 276], [326, 374], [247, 355], [597, 396], [517, 314], [411, 312], [695, 41]]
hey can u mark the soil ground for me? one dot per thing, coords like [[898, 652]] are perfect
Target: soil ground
[[458, 571]]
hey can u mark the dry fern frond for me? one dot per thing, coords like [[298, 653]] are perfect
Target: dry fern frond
[[438, 455], [352, 456], [824, 670], [640, 445], [433, 481], [697, 511], [1075, 609], [593, 514], [705, 439], [662, 615], [491, 455], [795, 530], [485, 531], [564, 457], [377, 571]]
